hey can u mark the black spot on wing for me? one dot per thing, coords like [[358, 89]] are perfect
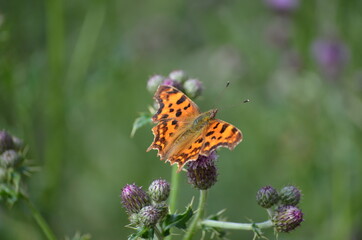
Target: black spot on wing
[[164, 116], [171, 109], [178, 113], [170, 105], [174, 122], [189, 105], [173, 91], [181, 99], [209, 133], [234, 130], [217, 124], [224, 127]]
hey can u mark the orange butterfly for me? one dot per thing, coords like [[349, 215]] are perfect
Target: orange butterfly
[[183, 133]]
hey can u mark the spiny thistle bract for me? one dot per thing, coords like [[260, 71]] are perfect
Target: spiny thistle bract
[[159, 190], [290, 195], [267, 197]]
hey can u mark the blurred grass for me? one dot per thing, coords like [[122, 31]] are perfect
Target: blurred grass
[[72, 80]]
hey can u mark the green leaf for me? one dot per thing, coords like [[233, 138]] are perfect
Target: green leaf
[[145, 233], [176, 220], [143, 119]]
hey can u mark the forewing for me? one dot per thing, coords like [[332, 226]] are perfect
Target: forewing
[[173, 104], [220, 134]]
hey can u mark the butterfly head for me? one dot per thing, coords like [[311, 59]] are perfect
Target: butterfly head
[[212, 113]]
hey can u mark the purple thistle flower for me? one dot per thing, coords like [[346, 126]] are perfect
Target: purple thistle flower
[[267, 196], [134, 198], [331, 55], [6, 141], [290, 195], [202, 173], [283, 6], [159, 190], [287, 218]]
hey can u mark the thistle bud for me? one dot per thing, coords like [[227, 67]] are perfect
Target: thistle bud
[[6, 141], [10, 158], [149, 216], [287, 218], [202, 173], [154, 82], [290, 195], [18, 143], [178, 76], [193, 88], [172, 82], [134, 219], [267, 196], [162, 208], [134, 198], [159, 190]]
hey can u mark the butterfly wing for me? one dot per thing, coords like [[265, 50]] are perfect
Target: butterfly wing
[[220, 134], [175, 112], [173, 104]]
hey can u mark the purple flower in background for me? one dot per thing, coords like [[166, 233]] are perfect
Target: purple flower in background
[[173, 83], [331, 55], [283, 6]]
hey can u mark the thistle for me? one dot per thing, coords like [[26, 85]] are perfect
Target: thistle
[[287, 218], [202, 173], [290, 195], [159, 190], [134, 198], [267, 196]]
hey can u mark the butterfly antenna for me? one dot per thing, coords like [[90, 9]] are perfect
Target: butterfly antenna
[[221, 93], [235, 105]]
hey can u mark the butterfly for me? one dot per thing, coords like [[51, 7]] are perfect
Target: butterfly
[[183, 133]]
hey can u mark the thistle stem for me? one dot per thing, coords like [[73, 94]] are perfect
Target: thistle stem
[[199, 214], [175, 182], [158, 233], [237, 226], [49, 234]]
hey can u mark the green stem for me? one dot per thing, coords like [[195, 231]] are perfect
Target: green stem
[[40, 220], [200, 212], [175, 182], [237, 226], [158, 233]]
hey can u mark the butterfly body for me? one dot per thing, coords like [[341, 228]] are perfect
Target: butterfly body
[[183, 133]]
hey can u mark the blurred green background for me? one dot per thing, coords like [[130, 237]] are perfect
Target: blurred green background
[[73, 78]]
